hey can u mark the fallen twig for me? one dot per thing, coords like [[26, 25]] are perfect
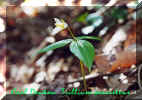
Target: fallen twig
[[88, 77]]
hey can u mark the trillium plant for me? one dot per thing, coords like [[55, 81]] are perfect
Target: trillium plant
[[79, 46]]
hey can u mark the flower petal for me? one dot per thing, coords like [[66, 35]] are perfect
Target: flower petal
[[56, 30], [60, 25], [57, 21]]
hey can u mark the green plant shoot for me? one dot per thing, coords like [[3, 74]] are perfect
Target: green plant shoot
[[79, 46]]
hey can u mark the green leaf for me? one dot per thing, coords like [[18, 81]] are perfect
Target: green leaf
[[82, 17], [83, 50], [55, 45], [88, 37]]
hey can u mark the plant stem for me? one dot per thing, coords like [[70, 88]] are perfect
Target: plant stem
[[81, 64], [71, 33], [83, 74]]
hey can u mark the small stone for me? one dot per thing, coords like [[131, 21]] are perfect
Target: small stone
[[76, 84], [105, 77]]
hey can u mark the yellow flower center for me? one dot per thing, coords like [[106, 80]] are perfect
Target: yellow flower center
[[61, 25]]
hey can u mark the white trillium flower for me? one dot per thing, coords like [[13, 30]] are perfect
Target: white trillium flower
[[60, 25]]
